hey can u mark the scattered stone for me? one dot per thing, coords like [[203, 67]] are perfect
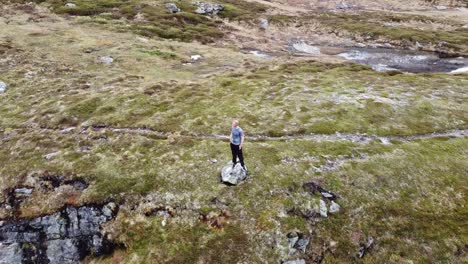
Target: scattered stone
[[323, 208], [297, 241], [172, 8], [263, 24], [24, 191], [259, 54], [364, 248], [334, 207], [144, 40], [105, 60], [213, 161], [139, 17], [67, 236], [3, 87], [315, 187], [296, 261], [52, 155], [440, 7], [195, 57], [208, 8], [305, 48], [233, 176], [109, 209], [465, 26], [70, 5], [67, 130], [342, 5]]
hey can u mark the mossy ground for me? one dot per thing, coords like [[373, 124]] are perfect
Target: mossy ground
[[409, 196]]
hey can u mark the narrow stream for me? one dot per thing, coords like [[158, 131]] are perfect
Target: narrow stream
[[381, 59]]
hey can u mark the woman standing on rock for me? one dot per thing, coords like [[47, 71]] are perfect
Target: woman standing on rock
[[237, 140]]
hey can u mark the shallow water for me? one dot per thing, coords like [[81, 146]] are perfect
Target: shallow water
[[381, 59]]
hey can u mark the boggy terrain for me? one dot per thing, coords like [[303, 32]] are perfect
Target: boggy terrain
[[115, 116]]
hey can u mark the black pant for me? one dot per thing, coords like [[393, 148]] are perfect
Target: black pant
[[236, 152]]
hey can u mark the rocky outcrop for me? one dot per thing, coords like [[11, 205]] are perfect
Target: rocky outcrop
[[208, 8], [233, 176], [67, 236]]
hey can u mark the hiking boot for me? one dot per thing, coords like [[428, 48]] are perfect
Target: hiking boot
[[233, 165], [244, 168]]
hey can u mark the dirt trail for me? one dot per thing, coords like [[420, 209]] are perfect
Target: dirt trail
[[356, 138]]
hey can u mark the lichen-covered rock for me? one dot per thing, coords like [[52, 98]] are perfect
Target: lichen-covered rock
[[233, 176], [208, 8]]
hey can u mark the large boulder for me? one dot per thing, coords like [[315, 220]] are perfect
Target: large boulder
[[233, 176], [208, 8]]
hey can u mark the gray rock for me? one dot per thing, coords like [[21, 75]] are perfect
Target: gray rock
[[465, 26], [323, 208], [10, 253], [233, 176], [296, 261], [172, 7], [292, 239], [62, 251], [342, 5], [108, 209], [301, 244], [24, 191], [305, 48], [52, 155], [3, 87], [208, 8], [196, 57], [263, 24], [334, 207], [70, 5], [106, 60], [364, 248], [297, 241], [67, 130], [440, 7]]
